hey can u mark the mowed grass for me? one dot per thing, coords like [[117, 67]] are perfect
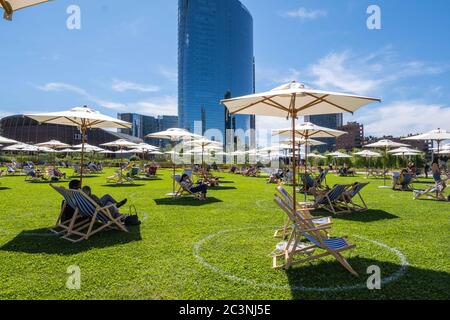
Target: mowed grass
[[219, 249]]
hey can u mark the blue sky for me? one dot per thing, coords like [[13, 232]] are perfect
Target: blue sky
[[124, 58]]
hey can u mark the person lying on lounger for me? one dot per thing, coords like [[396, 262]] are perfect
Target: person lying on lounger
[[187, 183], [106, 200]]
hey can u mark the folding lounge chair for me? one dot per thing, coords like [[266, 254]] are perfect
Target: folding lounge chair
[[305, 212], [99, 218], [120, 177], [407, 181], [308, 182], [61, 227], [317, 241], [331, 200], [182, 191], [435, 192], [352, 192]]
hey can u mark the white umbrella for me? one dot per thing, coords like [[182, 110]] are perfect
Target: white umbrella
[[88, 148], [316, 156], [385, 145], [368, 155], [174, 135], [121, 144], [4, 140], [339, 155], [53, 144], [67, 151], [204, 144], [84, 118], [106, 152], [13, 5], [293, 100], [307, 130], [404, 150], [435, 135], [402, 154]]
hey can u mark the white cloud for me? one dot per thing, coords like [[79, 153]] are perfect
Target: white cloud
[[167, 105], [122, 86], [366, 74], [404, 117], [305, 14], [60, 86], [169, 74]]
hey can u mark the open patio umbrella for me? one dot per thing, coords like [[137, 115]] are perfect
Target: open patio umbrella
[[84, 118], [437, 136], [385, 145], [174, 135], [292, 100], [203, 144], [306, 131], [368, 155], [13, 5], [121, 144], [4, 140], [54, 145]]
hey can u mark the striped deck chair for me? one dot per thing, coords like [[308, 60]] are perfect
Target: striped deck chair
[[352, 192], [61, 227], [302, 210], [306, 252], [182, 191], [331, 199], [308, 182], [99, 218], [121, 176], [405, 185]]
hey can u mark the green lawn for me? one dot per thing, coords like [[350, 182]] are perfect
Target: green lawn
[[186, 249]]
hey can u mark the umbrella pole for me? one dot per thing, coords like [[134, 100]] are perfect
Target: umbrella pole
[[83, 136], [294, 170], [306, 161]]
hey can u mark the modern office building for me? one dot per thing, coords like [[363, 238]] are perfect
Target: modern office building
[[215, 61], [143, 125], [332, 121], [353, 139], [24, 129]]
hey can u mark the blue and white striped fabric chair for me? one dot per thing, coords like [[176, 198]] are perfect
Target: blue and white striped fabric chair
[[100, 218], [87, 214], [305, 212], [317, 240], [61, 227], [352, 192], [332, 200]]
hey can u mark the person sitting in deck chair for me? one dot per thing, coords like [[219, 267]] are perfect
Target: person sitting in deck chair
[[68, 210], [106, 200], [187, 183], [436, 191]]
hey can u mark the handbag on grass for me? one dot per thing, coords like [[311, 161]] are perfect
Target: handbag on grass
[[132, 219]]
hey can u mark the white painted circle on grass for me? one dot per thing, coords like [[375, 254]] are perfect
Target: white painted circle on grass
[[393, 277]]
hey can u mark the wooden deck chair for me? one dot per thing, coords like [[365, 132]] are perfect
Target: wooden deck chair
[[331, 200], [352, 192], [397, 184], [121, 176], [62, 226], [435, 192], [100, 218], [182, 191], [304, 211], [307, 251]]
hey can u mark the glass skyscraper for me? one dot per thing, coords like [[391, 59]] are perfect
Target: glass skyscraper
[[332, 121], [215, 61]]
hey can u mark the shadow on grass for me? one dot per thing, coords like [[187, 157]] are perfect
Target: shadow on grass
[[409, 282], [185, 201], [222, 188], [47, 182], [118, 185], [44, 241], [5, 188], [365, 216], [226, 182], [147, 179]]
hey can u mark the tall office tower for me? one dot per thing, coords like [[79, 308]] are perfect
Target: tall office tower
[[332, 121], [215, 61]]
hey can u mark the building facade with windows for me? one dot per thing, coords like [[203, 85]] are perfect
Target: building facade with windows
[[143, 125], [353, 139], [331, 121], [215, 61], [24, 129]]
